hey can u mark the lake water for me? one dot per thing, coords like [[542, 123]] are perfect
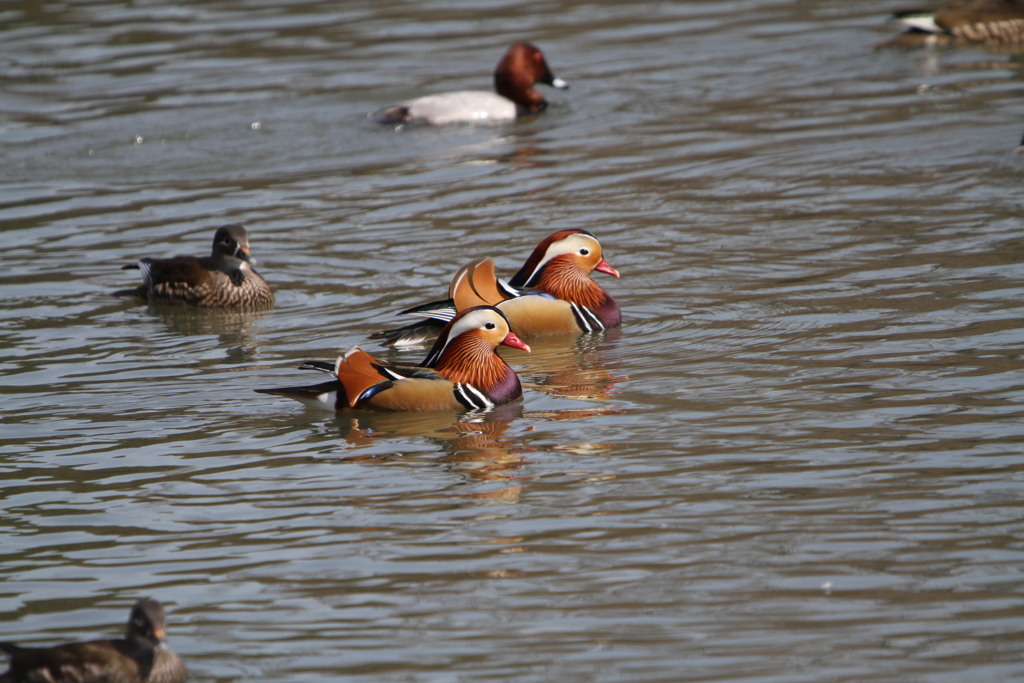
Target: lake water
[[798, 460]]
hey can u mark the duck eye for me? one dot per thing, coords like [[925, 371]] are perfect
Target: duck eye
[[584, 251], [489, 326]]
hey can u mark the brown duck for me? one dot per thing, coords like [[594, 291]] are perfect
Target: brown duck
[[964, 22], [522, 67], [142, 656], [224, 279]]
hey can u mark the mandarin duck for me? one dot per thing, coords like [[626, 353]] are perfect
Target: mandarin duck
[[462, 371], [551, 294], [991, 22], [519, 70], [224, 279], [142, 656]]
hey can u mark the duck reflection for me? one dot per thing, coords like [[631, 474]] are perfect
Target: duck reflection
[[474, 445], [234, 329], [481, 446], [522, 149], [527, 153], [572, 366]]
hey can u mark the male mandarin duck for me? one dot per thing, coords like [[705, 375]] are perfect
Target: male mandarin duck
[[461, 371], [522, 66], [990, 22], [224, 279], [551, 294], [142, 656]]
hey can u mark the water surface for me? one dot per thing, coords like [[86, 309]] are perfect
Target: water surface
[[797, 460]]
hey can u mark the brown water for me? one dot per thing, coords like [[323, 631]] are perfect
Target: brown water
[[799, 459]]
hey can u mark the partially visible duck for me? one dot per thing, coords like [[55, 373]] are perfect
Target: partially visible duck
[[462, 371], [519, 70], [551, 294], [142, 656], [224, 279], [991, 22]]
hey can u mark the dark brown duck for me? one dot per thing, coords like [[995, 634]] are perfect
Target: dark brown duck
[[966, 22], [142, 656]]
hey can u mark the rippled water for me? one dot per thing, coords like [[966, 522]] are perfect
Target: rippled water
[[798, 460]]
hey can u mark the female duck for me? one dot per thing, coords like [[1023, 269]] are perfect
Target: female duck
[[519, 70], [224, 279], [962, 22], [462, 371], [141, 657], [551, 294]]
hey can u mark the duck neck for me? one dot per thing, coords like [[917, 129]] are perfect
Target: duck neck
[[139, 649], [562, 278], [521, 92], [468, 359], [226, 262]]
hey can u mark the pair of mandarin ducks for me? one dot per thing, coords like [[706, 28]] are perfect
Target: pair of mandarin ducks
[[552, 293]]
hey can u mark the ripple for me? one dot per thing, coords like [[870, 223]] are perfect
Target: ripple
[[802, 439]]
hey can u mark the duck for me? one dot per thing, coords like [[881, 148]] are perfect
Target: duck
[[522, 66], [224, 279], [142, 656], [461, 372], [552, 293], [963, 22]]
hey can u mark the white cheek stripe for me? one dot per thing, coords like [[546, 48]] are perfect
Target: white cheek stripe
[[568, 246], [547, 257]]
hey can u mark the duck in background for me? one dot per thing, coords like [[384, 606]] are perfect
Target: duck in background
[[224, 279], [551, 294], [519, 70], [462, 371], [142, 656], [966, 22]]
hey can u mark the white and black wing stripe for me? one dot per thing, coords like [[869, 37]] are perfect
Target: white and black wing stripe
[[442, 314], [922, 21], [471, 397], [388, 372], [508, 289], [144, 269], [586, 318]]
